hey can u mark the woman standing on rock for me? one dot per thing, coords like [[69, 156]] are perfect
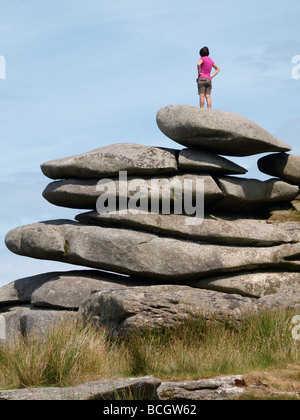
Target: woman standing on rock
[[205, 64]]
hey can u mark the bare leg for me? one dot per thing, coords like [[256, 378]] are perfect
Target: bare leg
[[208, 100], [202, 100]]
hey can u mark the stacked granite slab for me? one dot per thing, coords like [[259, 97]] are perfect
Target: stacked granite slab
[[167, 265]]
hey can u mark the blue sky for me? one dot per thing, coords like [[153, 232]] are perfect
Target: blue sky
[[82, 74]]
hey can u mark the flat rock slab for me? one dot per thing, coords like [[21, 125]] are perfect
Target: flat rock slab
[[242, 194], [220, 132], [191, 160], [84, 194], [222, 194], [222, 231], [255, 284], [282, 165], [144, 387], [142, 254], [106, 161], [62, 290], [153, 307], [203, 390]]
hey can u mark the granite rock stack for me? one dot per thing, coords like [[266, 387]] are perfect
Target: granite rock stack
[[152, 268]]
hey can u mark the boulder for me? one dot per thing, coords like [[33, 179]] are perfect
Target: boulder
[[282, 165], [242, 194], [252, 284], [70, 290], [136, 159], [191, 160], [220, 132], [154, 307], [116, 389], [284, 300], [222, 231], [84, 194], [60, 289], [147, 255]]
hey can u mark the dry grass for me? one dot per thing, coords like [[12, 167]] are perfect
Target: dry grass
[[73, 353]]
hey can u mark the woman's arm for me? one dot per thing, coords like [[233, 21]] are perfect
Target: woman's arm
[[199, 66], [216, 72]]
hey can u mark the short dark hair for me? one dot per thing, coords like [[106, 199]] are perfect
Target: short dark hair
[[204, 52]]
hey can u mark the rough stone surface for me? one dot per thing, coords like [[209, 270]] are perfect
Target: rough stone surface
[[248, 194], [137, 253], [221, 132], [282, 165], [60, 288], [106, 161], [23, 320], [10, 323], [191, 160], [38, 321], [283, 300], [224, 231], [83, 194], [206, 389], [124, 311], [254, 284], [144, 387]]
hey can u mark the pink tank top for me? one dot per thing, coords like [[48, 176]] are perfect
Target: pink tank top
[[206, 67]]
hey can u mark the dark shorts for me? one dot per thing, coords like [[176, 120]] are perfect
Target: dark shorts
[[204, 86]]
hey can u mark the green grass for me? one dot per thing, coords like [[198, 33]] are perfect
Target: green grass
[[73, 353]]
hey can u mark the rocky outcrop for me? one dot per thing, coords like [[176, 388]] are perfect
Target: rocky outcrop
[[207, 245]]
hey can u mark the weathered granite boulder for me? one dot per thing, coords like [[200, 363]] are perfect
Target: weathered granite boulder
[[215, 389], [110, 390], [225, 194], [38, 320], [282, 165], [106, 161], [252, 284], [124, 311], [242, 194], [222, 231], [191, 160], [221, 132], [20, 321], [69, 291], [64, 290], [84, 194], [150, 256], [288, 299]]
